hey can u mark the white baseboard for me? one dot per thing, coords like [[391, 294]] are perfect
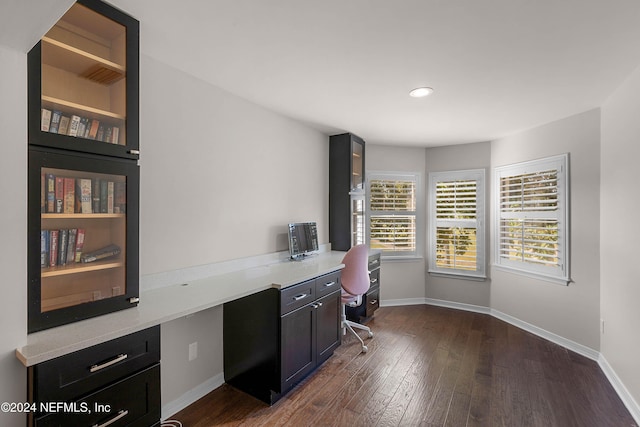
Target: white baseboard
[[620, 388], [585, 351], [191, 396]]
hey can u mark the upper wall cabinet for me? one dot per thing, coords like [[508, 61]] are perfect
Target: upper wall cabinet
[[346, 191], [83, 82]]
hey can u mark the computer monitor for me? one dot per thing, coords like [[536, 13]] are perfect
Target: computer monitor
[[303, 239]]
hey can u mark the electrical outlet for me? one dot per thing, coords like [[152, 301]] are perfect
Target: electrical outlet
[[193, 351]]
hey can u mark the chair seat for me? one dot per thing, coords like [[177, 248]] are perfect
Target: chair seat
[[351, 300]]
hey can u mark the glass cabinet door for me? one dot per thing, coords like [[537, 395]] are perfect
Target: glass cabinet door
[[358, 220], [84, 210], [357, 166], [84, 69]]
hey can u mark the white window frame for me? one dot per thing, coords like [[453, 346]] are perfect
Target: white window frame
[[557, 274], [477, 175], [416, 177]]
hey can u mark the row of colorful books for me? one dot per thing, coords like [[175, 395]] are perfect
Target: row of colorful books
[[61, 247], [54, 121], [81, 195]]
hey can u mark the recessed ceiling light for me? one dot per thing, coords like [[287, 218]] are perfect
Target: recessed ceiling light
[[421, 92]]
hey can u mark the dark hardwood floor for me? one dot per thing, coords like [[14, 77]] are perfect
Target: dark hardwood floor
[[433, 366]]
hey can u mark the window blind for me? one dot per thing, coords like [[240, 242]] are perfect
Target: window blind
[[532, 219], [392, 207]]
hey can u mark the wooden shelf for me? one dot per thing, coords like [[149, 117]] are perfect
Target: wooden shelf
[[80, 107], [80, 268], [83, 216], [79, 62]]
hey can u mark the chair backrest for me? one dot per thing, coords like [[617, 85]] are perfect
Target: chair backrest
[[355, 274]]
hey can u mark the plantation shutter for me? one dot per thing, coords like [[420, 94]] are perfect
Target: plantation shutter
[[392, 207], [532, 220], [457, 214]]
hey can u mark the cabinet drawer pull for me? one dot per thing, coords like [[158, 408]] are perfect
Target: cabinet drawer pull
[[374, 262], [374, 302], [113, 361], [374, 281], [326, 285], [316, 305], [121, 414], [299, 297]]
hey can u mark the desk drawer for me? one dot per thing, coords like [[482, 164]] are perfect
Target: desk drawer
[[372, 301], [374, 278], [327, 284], [374, 262], [297, 296], [134, 401], [75, 374]]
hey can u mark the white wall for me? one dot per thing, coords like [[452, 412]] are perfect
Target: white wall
[[13, 228], [452, 158], [570, 311], [620, 204], [220, 179], [401, 282]]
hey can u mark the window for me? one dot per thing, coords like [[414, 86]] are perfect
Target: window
[[393, 198], [456, 223], [532, 220]]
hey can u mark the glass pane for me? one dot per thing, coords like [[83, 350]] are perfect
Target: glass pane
[[357, 226], [83, 237], [84, 77], [357, 166], [456, 248]]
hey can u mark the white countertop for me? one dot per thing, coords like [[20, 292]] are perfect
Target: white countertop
[[171, 302]]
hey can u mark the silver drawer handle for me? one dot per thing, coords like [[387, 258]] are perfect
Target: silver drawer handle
[[326, 285], [374, 302], [117, 359], [374, 281], [375, 261], [316, 305], [121, 414], [299, 297]]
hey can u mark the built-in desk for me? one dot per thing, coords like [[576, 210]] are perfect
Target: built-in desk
[[164, 304]]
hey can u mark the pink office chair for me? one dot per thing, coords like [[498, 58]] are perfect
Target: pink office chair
[[355, 283]]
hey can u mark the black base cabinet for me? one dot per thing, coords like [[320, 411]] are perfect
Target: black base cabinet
[[370, 300], [116, 383], [275, 338]]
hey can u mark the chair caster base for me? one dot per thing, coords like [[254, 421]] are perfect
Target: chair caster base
[[364, 349], [370, 334]]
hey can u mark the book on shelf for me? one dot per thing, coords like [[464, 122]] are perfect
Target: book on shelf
[[45, 120], [64, 125], [100, 133], [93, 130], [63, 241], [44, 248], [66, 195], [59, 194], [100, 254], [82, 127], [55, 121], [53, 248], [120, 197], [61, 247], [79, 244], [83, 196], [50, 188], [74, 124], [115, 133], [69, 190], [104, 191], [71, 246]]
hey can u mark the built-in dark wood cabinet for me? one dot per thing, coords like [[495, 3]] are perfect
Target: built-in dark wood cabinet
[[346, 191], [114, 383], [83, 82], [370, 300], [83, 175], [275, 338]]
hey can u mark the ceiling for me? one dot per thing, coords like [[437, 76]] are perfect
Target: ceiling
[[497, 66]]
